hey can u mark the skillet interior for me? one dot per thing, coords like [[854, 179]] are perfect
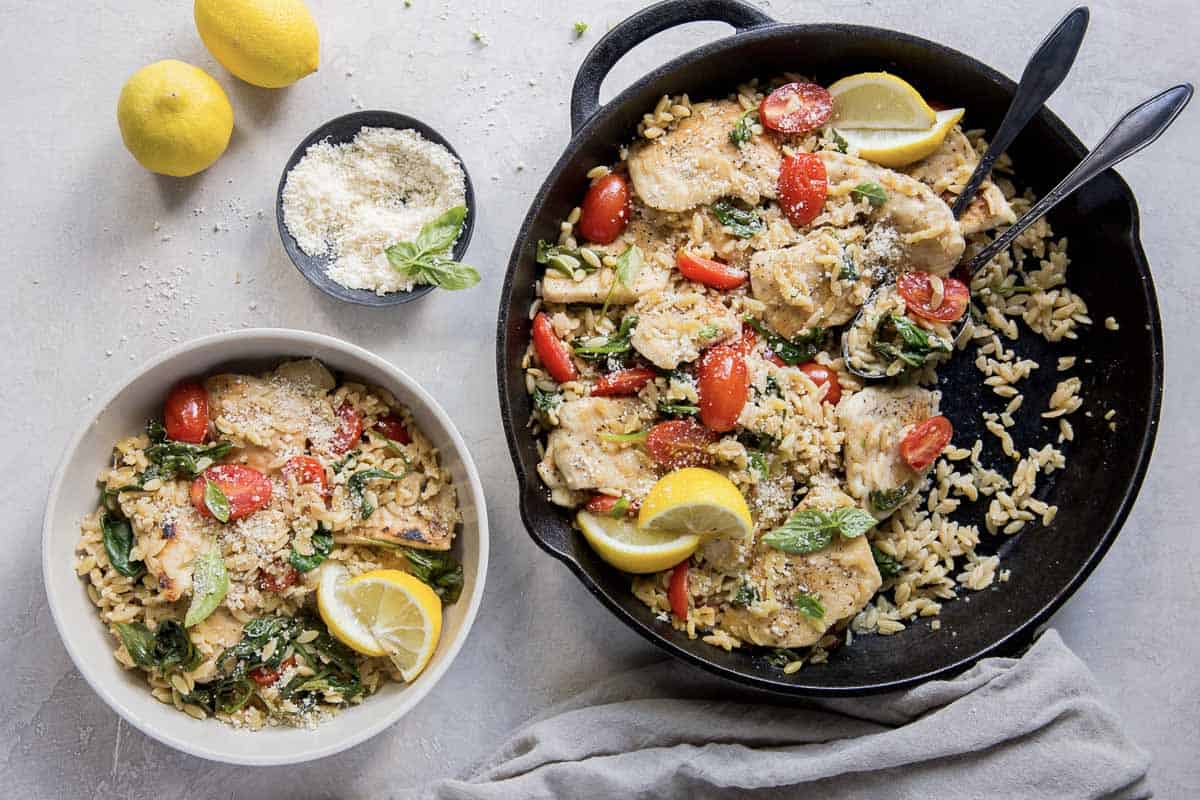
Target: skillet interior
[[1121, 370]]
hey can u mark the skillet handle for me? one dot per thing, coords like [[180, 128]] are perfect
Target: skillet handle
[[585, 95]]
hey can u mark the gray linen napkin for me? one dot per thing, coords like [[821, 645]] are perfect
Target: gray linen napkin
[[1034, 727]]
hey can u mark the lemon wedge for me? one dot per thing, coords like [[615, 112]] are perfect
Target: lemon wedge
[[632, 549], [696, 501], [385, 612], [897, 148], [879, 100]]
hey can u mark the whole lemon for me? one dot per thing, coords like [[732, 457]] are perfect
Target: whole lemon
[[269, 43], [175, 119]]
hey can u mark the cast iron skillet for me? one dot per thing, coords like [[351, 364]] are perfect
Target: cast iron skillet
[[1121, 370]]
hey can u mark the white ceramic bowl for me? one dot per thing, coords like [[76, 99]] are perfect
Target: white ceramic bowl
[[74, 492]]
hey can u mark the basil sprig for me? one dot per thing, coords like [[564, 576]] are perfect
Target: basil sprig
[[872, 192], [425, 260], [811, 529]]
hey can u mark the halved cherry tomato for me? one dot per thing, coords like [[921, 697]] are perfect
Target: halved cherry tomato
[[307, 469], [796, 108], [802, 187], [271, 582], [709, 272], [553, 354], [605, 209], [265, 676], [623, 382], [680, 443], [822, 375], [745, 343], [606, 504], [185, 414], [678, 592], [917, 290], [925, 443], [723, 384], [392, 426], [246, 489], [349, 429]]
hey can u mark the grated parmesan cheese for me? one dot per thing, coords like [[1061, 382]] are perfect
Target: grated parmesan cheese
[[351, 201]]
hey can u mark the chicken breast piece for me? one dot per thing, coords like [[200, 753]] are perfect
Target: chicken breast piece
[[184, 538], [673, 327], [801, 287], [928, 236], [427, 526], [585, 460], [643, 233], [696, 163], [947, 172], [843, 577], [989, 209], [875, 421]]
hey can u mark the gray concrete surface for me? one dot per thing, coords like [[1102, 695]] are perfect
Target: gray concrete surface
[[105, 265]]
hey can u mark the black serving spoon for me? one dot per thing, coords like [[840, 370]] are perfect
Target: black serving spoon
[[1043, 74], [1137, 129]]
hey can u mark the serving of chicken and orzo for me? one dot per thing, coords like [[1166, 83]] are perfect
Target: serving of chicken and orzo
[[687, 371], [275, 548]]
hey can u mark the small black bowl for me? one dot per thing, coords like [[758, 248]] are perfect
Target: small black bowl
[[340, 131]]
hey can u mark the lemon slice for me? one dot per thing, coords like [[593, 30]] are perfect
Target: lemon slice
[[696, 501], [878, 100], [631, 549], [895, 148], [385, 612]]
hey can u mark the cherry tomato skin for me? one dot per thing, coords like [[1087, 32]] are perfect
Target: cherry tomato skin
[[677, 592], [925, 442], [551, 351], [710, 273], [246, 489], [307, 469], [623, 382], [605, 209], [605, 503], [680, 443], [803, 185], [185, 413], [796, 108], [270, 582], [265, 676], [393, 428], [723, 384], [822, 375], [349, 430], [917, 290]]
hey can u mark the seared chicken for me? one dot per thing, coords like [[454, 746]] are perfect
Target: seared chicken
[[674, 327], [585, 460], [947, 172], [801, 287]]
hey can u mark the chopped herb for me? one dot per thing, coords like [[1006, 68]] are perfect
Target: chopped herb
[[441, 571], [773, 389], [780, 657], [872, 192], [392, 446], [740, 222], [215, 501], [883, 500], [620, 508], [811, 529], [615, 344], [629, 264], [752, 440], [747, 594], [167, 646], [356, 488], [899, 338], [839, 142], [810, 605], [889, 567], [849, 271], [338, 466], [758, 462], [322, 543], [678, 409], [546, 401], [425, 260], [480, 37], [709, 331], [791, 351], [743, 129], [118, 542], [636, 436], [580, 29], [210, 584]]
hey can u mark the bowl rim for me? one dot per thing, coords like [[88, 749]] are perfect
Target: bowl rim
[[412, 695], [313, 273]]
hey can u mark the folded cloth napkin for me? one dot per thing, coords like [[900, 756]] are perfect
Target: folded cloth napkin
[[1031, 727]]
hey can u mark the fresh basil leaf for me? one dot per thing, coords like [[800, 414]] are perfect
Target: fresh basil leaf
[[615, 344], [810, 605], [804, 532], [888, 566], [839, 141], [791, 351], [446, 273], [740, 222], [402, 253], [743, 129], [118, 542], [210, 584], [215, 501], [440, 570], [322, 544], [440, 233], [852, 521], [356, 488], [872, 192], [883, 500], [629, 264]]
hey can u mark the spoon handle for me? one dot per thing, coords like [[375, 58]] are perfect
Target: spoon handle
[[1043, 74], [1134, 131]]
